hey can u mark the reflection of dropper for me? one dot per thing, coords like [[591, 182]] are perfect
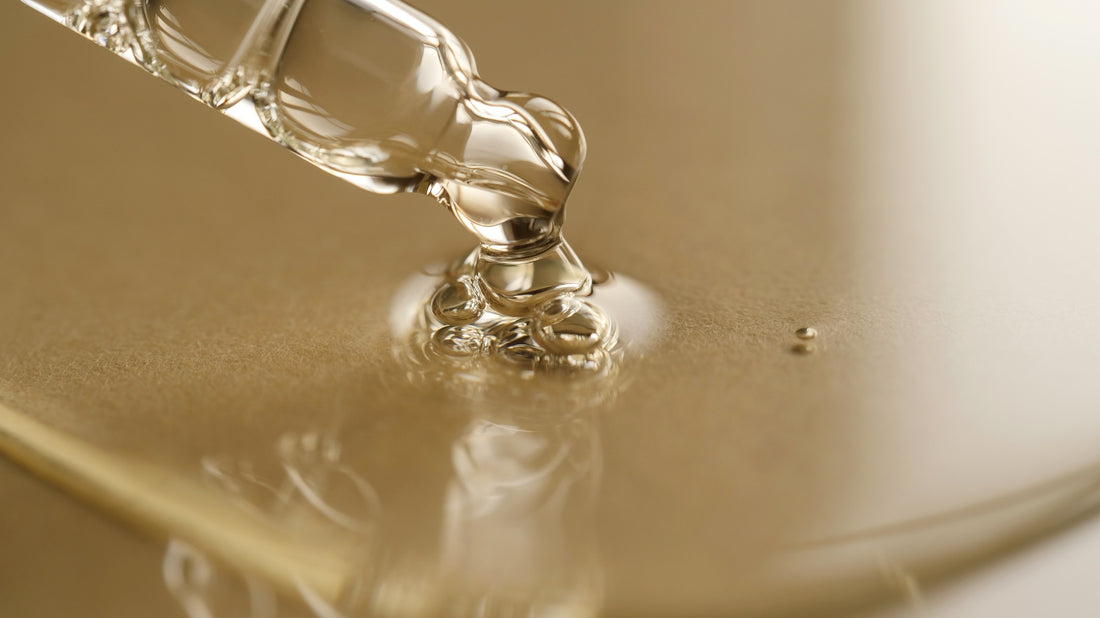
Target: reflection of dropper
[[162, 502], [517, 534]]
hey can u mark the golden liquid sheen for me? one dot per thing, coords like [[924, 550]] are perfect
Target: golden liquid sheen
[[198, 332]]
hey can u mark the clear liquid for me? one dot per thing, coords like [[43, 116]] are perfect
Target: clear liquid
[[383, 96]]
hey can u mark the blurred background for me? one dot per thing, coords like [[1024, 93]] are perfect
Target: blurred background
[[197, 364]]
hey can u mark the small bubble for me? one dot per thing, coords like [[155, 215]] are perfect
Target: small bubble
[[569, 325], [806, 333], [458, 302]]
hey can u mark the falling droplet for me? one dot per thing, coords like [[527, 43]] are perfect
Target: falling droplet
[[458, 302], [569, 325]]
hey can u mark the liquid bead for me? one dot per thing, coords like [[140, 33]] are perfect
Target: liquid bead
[[457, 321], [806, 333], [383, 96], [569, 325], [583, 337]]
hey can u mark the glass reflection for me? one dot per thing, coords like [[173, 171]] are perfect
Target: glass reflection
[[513, 526]]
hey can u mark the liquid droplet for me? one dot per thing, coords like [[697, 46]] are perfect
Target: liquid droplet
[[806, 333], [569, 325], [458, 302]]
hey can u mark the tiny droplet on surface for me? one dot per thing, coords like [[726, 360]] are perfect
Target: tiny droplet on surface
[[806, 333]]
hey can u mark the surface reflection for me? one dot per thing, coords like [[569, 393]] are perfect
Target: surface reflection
[[517, 535], [201, 590], [515, 532], [305, 486]]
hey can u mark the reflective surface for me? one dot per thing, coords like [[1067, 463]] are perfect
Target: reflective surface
[[205, 323]]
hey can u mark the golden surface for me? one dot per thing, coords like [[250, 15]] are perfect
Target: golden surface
[[913, 181]]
